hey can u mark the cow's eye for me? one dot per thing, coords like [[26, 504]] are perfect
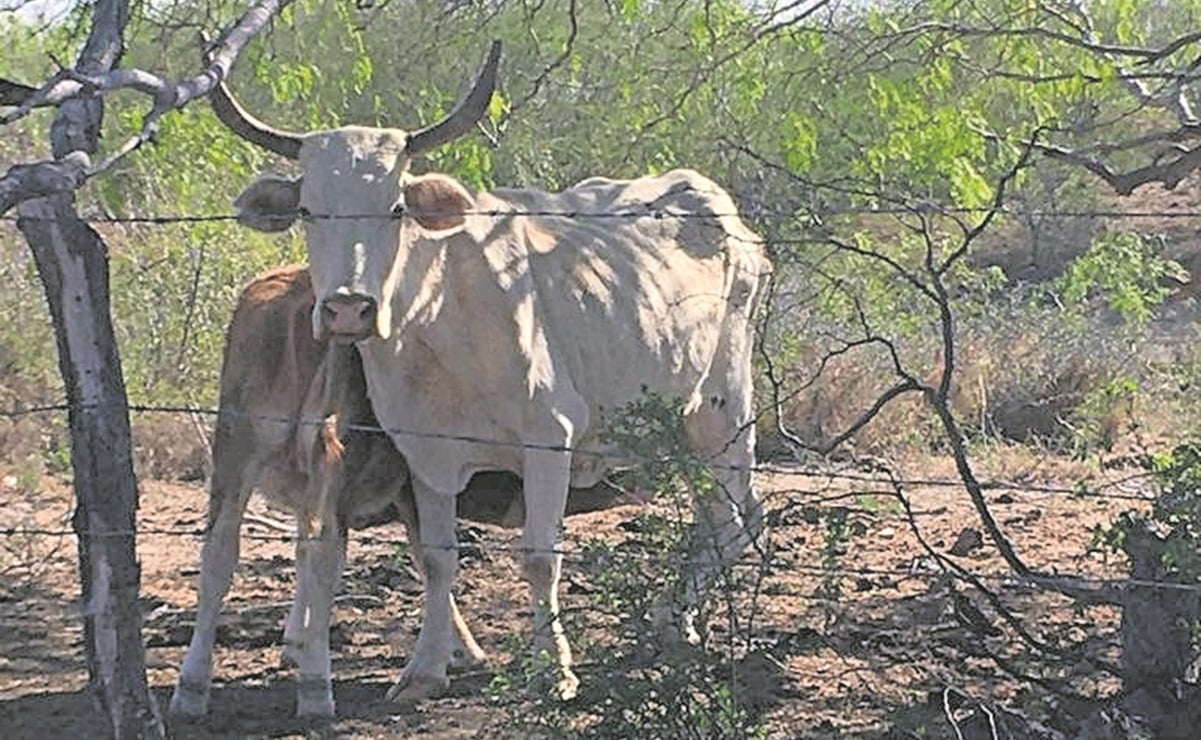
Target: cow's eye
[[398, 210]]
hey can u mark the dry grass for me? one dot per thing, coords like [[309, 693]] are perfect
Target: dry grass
[[1029, 376]]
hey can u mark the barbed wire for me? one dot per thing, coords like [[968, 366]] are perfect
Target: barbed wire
[[650, 212], [919, 566], [914, 570], [795, 469]]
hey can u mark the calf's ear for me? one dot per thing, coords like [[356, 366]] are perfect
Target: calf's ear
[[437, 202], [269, 204]]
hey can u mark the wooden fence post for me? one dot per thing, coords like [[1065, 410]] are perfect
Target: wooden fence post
[[72, 262]]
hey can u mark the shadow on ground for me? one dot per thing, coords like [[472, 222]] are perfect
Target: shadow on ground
[[245, 712]]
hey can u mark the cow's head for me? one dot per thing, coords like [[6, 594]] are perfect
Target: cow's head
[[360, 205]]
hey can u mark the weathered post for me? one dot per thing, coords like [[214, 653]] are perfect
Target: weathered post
[[72, 262]]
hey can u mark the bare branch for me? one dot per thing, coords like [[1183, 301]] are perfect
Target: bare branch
[[702, 74], [36, 180], [1162, 76], [39, 179], [42, 97], [14, 93], [544, 75], [900, 388], [958, 29], [997, 206], [1125, 183]]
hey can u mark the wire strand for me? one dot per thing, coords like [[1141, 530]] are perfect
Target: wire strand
[[648, 211], [628, 459]]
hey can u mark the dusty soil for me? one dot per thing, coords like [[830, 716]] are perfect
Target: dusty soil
[[873, 654]]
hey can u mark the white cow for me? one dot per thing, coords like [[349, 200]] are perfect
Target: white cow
[[498, 329]]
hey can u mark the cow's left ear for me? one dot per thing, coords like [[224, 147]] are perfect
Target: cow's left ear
[[269, 203], [437, 202]]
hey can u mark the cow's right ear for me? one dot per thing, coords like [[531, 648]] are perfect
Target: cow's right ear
[[270, 203]]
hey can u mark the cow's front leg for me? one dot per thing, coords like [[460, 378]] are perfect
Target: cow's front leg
[[425, 673], [547, 476], [320, 552], [467, 653]]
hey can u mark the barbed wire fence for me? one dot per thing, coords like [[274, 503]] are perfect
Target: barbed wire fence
[[925, 566]]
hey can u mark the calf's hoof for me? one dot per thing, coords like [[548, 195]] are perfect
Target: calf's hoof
[[315, 697], [190, 699]]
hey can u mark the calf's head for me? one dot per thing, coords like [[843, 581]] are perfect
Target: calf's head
[[360, 205]]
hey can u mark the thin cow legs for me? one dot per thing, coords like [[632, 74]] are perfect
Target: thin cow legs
[[218, 557], [320, 553], [425, 673], [728, 516], [547, 475], [466, 652]]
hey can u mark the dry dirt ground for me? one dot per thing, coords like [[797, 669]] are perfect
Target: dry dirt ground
[[877, 661]]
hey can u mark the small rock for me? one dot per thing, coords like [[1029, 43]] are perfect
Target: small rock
[[969, 539]]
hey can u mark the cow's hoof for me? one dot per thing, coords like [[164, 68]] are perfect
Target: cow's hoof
[[414, 688], [190, 699], [315, 698]]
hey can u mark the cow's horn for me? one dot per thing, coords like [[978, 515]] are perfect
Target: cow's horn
[[238, 120], [465, 115]]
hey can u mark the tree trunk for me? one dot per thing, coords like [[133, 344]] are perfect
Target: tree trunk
[[72, 263]]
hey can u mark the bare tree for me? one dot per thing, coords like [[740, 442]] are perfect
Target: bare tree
[[72, 262]]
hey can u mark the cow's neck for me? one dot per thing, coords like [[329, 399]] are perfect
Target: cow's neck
[[470, 299], [419, 293]]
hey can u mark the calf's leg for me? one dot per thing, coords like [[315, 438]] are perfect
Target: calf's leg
[[218, 558], [320, 553]]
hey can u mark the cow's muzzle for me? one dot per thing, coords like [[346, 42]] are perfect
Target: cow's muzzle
[[348, 316]]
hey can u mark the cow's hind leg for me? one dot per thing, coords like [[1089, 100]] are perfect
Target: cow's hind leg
[[218, 558], [728, 514]]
